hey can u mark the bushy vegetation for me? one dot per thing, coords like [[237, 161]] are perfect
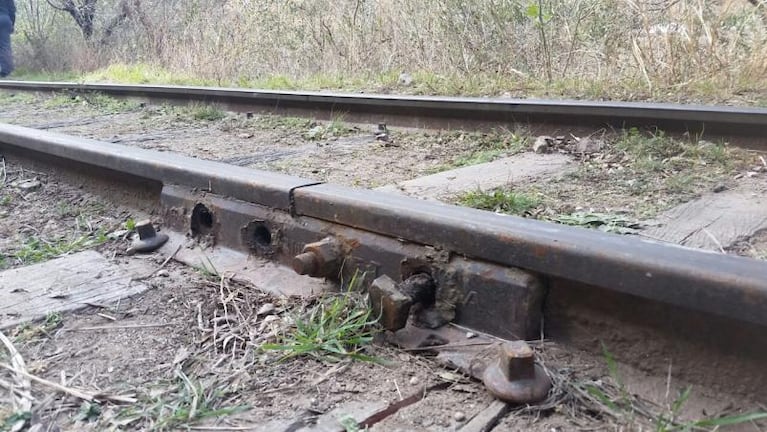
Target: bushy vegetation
[[667, 49]]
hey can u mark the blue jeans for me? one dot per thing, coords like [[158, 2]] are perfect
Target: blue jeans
[[6, 54]]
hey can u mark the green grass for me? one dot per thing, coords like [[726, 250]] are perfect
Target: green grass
[[36, 249], [476, 83], [61, 100], [337, 327], [143, 73], [185, 404], [489, 147], [28, 331], [287, 122], [607, 222], [6, 200], [201, 112], [501, 201], [657, 151], [334, 128]]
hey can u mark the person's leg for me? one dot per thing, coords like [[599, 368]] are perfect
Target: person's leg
[[6, 54]]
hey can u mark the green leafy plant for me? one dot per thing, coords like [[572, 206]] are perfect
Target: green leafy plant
[[36, 249], [338, 326], [499, 201], [606, 222], [187, 404]]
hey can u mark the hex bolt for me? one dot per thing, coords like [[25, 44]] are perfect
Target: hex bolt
[[319, 259], [305, 263], [515, 377], [145, 230], [149, 239]]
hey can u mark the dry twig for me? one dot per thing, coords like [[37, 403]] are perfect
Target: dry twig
[[79, 394]]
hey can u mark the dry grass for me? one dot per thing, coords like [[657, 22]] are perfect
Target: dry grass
[[659, 49]]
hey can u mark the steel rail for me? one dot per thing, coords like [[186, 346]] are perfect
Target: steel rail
[[728, 286], [739, 123]]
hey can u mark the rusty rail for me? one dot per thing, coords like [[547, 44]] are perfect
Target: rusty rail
[[739, 124], [728, 286]]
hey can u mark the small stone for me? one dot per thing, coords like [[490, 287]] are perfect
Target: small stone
[[543, 144], [27, 185], [414, 381], [470, 335], [266, 309], [459, 416], [245, 135], [719, 188], [313, 401], [163, 273]]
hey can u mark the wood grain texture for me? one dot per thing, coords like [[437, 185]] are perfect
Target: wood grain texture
[[61, 285]]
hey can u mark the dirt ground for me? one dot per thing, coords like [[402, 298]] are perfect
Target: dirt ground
[[188, 362], [334, 151]]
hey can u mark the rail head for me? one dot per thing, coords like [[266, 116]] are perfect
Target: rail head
[[671, 117]]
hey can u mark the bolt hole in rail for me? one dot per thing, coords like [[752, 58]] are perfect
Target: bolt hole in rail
[[507, 277]]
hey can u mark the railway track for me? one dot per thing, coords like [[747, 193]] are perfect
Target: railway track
[[504, 276], [742, 125]]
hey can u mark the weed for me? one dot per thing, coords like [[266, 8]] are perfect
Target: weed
[[130, 224], [335, 128], [606, 222], [336, 327], [6, 200], [142, 73], [188, 403], [204, 112], [488, 147], [287, 122], [26, 332], [14, 419], [108, 104], [36, 249], [64, 209], [62, 100], [207, 269], [349, 424], [500, 201], [89, 411]]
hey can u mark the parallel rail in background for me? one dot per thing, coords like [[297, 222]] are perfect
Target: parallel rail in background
[[741, 125], [503, 274]]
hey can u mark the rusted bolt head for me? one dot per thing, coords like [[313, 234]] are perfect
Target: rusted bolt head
[[318, 259], [145, 229], [306, 264], [148, 238], [515, 377], [389, 303]]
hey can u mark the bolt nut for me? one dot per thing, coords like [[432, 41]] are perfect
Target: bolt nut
[[319, 259], [392, 305], [305, 263], [145, 229], [148, 238], [515, 377]]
